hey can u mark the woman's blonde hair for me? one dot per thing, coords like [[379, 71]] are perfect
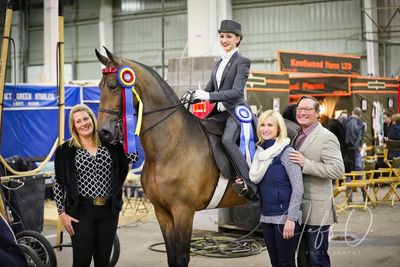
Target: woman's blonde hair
[[277, 119], [75, 140]]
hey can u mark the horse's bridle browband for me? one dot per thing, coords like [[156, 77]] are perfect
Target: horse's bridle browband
[[109, 70]]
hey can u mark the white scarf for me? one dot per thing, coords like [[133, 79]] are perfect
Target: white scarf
[[263, 158]]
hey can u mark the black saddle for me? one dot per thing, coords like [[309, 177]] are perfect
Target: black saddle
[[214, 131]]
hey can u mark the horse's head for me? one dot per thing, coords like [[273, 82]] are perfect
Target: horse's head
[[110, 110], [153, 97]]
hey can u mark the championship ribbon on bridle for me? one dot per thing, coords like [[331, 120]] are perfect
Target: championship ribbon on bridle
[[126, 78]]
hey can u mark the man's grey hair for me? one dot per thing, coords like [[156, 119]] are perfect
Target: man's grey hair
[[357, 111]]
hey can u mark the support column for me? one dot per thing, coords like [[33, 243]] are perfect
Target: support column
[[50, 34], [106, 26], [203, 21], [371, 16], [18, 32], [189, 73]]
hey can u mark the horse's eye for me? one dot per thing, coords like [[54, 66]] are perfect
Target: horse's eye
[[112, 86]]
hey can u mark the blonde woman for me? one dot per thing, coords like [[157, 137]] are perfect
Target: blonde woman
[[280, 185], [88, 188]]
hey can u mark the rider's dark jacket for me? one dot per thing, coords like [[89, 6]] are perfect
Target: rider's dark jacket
[[231, 89]]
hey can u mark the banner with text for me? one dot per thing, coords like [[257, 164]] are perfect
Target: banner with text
[[319, 86], [318, 63]]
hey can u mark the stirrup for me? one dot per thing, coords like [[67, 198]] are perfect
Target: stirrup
[[243, 192], [245, 188]]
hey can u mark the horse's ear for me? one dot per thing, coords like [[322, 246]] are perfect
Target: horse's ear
[[105, 61], [114, 59]]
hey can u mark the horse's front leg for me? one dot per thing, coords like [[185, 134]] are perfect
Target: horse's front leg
[[166, 222], [183, 223]]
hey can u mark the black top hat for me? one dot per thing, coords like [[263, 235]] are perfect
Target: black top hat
[[228, 25]]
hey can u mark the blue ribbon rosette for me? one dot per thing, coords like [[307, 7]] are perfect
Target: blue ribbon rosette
[[246, 146]]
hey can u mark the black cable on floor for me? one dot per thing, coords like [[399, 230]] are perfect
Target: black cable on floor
[[225, 247], [221, 246]]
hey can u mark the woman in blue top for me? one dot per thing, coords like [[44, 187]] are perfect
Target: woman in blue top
[[280, 185]]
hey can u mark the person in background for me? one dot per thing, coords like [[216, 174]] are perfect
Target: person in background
[[355, 130], [337, 128], [226, 88], [394, 134], [289, 115], [89, 175], [280, 185], [387, 123], [343, 116], [318, 154], [11, 255]]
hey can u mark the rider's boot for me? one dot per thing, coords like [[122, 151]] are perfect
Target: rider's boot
[[245, 190]]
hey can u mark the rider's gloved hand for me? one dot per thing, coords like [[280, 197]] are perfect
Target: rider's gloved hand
[[202, 95], [220, 107]]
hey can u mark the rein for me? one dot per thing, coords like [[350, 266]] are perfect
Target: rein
[[184, 101], [175, 106]]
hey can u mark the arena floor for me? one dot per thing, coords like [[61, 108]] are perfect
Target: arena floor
[[376, 234]]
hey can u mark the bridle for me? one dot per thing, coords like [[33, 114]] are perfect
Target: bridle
[[118, 114]]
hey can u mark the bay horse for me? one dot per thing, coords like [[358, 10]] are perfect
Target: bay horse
[[179, 174]]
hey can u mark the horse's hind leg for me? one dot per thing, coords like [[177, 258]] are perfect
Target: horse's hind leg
[[166, 222]]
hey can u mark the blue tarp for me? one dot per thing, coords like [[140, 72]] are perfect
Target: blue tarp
[[30, 117]]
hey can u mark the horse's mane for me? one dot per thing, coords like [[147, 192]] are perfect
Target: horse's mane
[[159, 79], [166, 88]]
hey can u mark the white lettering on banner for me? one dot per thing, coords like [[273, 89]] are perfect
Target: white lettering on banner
[[34, 104], [44, 96], [7, 96], [24, 96]]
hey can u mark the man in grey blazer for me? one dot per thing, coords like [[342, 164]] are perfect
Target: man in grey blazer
[[318, 154], [226, 89]]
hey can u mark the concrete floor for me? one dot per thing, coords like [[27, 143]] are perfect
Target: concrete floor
[[376, 232]]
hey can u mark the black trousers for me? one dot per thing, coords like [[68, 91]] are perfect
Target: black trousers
[[94, 235], [282, 252], [314, 243]]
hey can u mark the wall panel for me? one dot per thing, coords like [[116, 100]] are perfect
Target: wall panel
[[328, 27]]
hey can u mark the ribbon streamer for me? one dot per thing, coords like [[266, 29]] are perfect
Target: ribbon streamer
[[246, 146], [126, 78], [140, 113], [129, 121]]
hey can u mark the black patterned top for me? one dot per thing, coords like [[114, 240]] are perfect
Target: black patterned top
[[93, 175]]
